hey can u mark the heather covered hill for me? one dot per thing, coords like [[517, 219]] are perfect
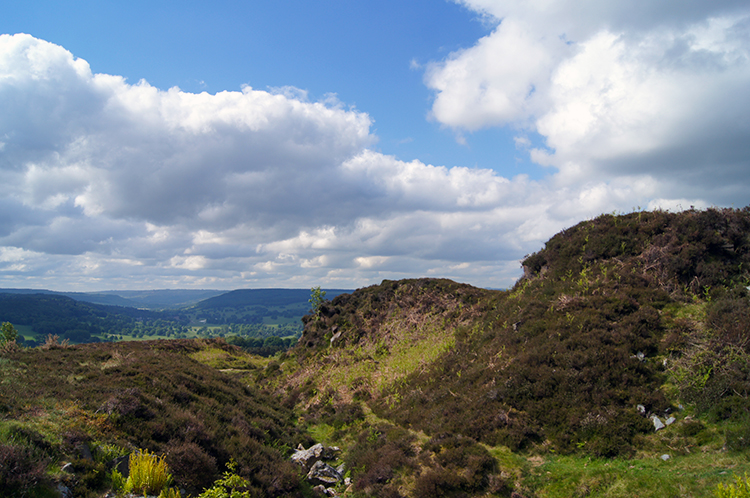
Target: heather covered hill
[[616, 320], [69, 404]]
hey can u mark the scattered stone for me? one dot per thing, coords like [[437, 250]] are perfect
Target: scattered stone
[[658, 424], [121, 464], [86, 452], [665, 457], [670, 421], [320, 489], [307, 457], [64, 491], [335, 337], [322, 473], [641, 410]]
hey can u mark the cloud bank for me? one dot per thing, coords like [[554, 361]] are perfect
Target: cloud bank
[[616, 89], [111, 184]]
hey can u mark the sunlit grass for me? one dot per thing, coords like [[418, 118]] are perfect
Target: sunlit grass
[[222, 359], [694, 475]]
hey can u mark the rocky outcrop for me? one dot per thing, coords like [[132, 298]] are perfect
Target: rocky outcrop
[[322, 473], [306, 458], [319, 473]]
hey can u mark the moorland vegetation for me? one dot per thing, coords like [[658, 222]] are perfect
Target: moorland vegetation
[[621, 325]]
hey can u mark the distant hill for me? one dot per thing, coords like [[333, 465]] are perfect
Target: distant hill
[[263, 297], [91, 317], [150, 299], [77, 321], [162, 299]]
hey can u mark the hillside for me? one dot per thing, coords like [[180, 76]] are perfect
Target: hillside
[[257, 307], [146, 299], [617, 366], [90, 403], [644, 309], [262, 297], [76, 321]]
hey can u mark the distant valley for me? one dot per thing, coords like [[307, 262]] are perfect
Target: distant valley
[[110, 316]]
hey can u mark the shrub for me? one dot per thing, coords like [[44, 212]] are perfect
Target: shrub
[[148, 473], [380, 453], [691, 428], [8, 337], [191, 466], [170, 493], [20, 471], [733, 408], [462, 466], [8, 333], [51, 342], [741, 489], [231, 485], [89, 476]]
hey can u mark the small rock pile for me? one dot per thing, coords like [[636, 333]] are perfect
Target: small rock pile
[[320, 474]]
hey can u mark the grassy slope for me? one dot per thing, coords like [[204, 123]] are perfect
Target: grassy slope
[[165, 396], [550, 368]]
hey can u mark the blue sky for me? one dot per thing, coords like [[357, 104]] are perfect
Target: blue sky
[[369, 53], [337, 143]]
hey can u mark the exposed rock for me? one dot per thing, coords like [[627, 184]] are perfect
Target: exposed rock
[[121, 464], [322, 473], [86, 452], [307, 457], [640, 356], [665, 457], [641, 410], [336, 335], [658, 424], [323, 491], [64, 491], [670, 421], [320, 490]]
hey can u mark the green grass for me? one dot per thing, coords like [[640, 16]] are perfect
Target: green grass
[[221, 359], [122, 396], [695, 475], [148, 473]]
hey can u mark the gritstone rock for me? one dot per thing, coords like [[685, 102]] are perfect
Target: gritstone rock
[[658, 424], [322, 473]]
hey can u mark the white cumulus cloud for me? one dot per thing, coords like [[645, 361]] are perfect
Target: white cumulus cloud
[[113, 184], [655, 88]]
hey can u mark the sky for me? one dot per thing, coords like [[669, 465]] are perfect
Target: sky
[[291, 144]]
